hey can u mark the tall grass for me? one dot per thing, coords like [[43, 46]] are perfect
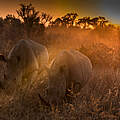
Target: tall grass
[[98, 100]]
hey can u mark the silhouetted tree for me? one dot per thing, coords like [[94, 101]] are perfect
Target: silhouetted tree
[[102, 21], [57, 22], [69, 19], [12, 27], [29, 16], [85, 21], [1, 24], [79, 21], [94, 22], [45, 18], [11, 20]]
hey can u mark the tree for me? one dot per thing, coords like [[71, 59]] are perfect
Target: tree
[[85, 21], [94, 22], [1, 23], [29, 16], [102, 21], [57, 22], [13, 27], [45, 18], [11, 20], [79, 21], [69, 19]]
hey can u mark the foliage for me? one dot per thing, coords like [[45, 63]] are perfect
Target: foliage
[[98, 100], [1, 22], [69, 19], [45, 18], [11, 20], [33, 19], [29, 16], [99, 53], [95, 22], [85, 20]]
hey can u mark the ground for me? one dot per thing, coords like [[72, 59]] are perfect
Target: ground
[[98, 100]]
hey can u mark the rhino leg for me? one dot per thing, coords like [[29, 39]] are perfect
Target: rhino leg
[[76, 87]]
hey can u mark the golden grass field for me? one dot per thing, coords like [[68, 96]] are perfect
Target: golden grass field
[[98, 100]]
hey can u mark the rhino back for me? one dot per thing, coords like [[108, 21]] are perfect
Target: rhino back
[[79, 67], [23, 57], [40, 52], [82, 68], [63, 59]]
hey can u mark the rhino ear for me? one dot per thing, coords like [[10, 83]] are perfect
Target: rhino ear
[[2, 58]]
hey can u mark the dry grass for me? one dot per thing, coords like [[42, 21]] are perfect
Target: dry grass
[[98, 100]]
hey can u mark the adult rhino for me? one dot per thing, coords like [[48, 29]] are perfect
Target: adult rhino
[[69, 70], [24, 60]]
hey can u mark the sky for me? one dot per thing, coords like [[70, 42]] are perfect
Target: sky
[[56, 8]]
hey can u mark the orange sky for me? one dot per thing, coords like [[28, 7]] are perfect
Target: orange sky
[[53, 7], [57, 8]]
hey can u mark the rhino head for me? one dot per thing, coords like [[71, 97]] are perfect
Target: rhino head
[[56, 84], [11, 70]]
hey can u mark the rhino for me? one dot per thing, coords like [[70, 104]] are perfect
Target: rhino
[[70, 70], [24, 61]]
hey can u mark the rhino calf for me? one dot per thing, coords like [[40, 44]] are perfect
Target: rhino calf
[[69, 70], [24, 60]]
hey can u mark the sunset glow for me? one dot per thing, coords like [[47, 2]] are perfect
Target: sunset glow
[[60, 60], [59, 7]]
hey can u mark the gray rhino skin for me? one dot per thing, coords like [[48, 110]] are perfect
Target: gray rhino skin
[[69, 70], [24, 61]]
